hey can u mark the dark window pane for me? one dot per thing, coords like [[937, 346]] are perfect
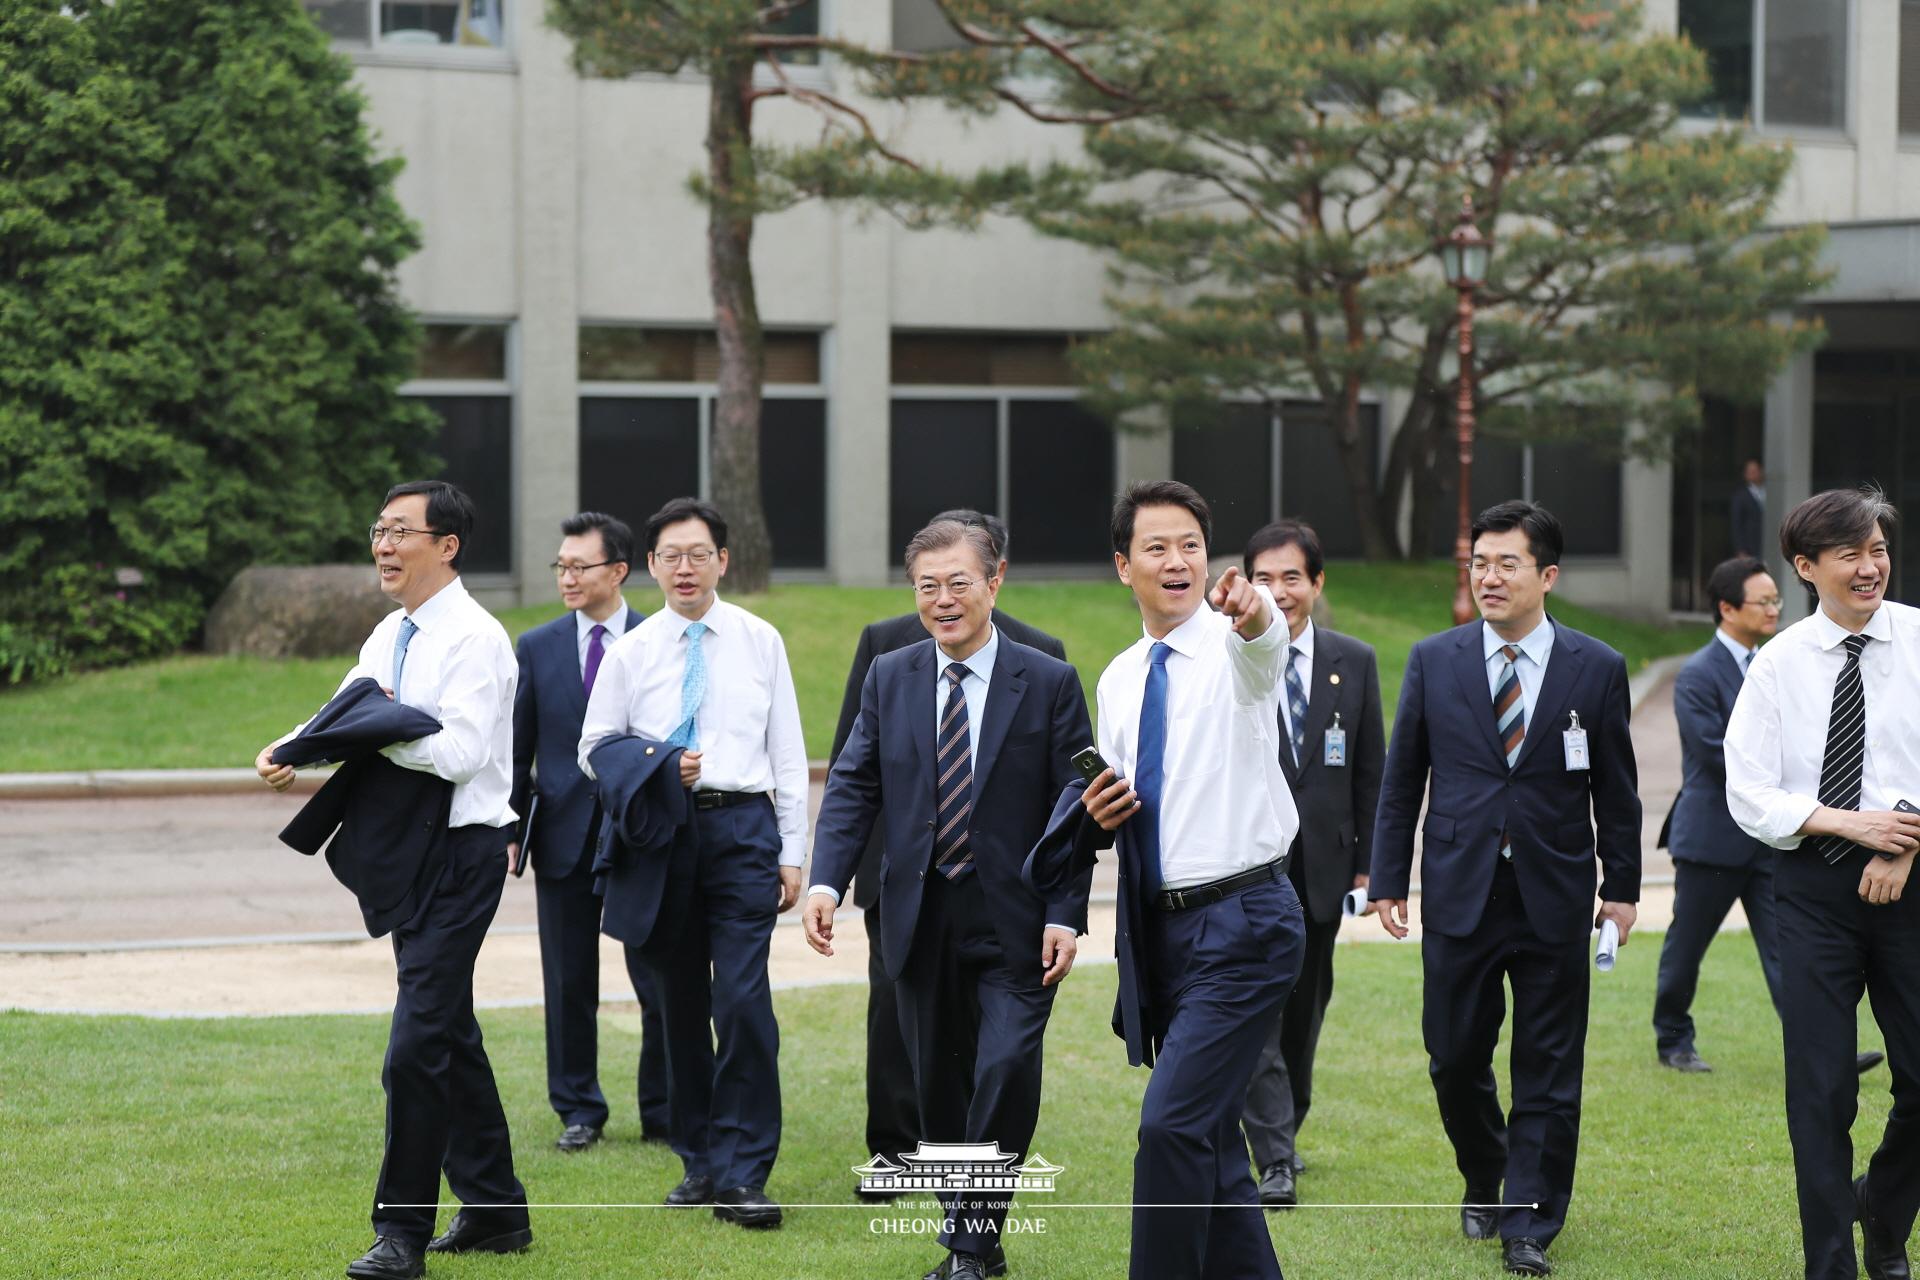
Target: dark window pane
[[1723, 30], [476, 451], [1313, 480], [943, 454], [803, 20], [341, 19], [630, 353], [1580, 484], [476, 351], [982, 360], [1496, 478], [1228, 457], [1806, 63], [1910, 67], [920, 27], [793, 481], [1060, 467], [636, 454]]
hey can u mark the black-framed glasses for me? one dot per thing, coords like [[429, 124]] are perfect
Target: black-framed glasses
[[397, 533], [562, 570]]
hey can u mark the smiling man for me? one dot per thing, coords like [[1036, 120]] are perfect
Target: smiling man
[[961, 746], [1823, 752], [1513, 731]]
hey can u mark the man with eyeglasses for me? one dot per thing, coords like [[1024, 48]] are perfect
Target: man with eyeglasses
[[443, 654], [1513, 730], [710, 679], [962, 743], [892, 1111], [560, 819]]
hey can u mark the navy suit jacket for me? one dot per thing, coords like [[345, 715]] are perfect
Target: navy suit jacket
[[1556, 818], [888, 636], [643, 832], [1034, 721], [548, 706], [1700, 828]]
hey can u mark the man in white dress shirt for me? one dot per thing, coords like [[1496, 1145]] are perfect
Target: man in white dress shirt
[[709, 677], [1822, 751], [1210, 930], [445, 655]]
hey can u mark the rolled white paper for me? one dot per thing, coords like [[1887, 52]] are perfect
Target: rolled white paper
[[1356, 904], [1609, 945]]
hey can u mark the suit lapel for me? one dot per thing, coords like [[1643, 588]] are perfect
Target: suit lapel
[[1321, 697], [1470, 671], [1003, 695], [1564, 662], [1727, 670]]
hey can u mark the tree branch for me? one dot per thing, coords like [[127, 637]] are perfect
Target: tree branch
[[827, 102]]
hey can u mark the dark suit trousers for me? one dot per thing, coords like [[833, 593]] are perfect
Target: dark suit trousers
[[1702, 896], [1281, 1091], [443, 1110], [708, 955], [974, 1032], [1218, 976], [1535, 1145], [1832, 947], [893, 1109], [569, 915]]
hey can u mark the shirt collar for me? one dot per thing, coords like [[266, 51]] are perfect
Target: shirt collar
[[1188, 638], [438, 605], [1739, 651], [1305, 643], [679, 622], [616, 623], [1829, 633], [1536, 644], [981, 662]]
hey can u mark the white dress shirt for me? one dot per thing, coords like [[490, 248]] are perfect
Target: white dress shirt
[[1777, 737], [1531, 666], [1225, 804], [748, 723], [1303, 664], [460, 669], [583, 626], [1741, 654], [973, 687]]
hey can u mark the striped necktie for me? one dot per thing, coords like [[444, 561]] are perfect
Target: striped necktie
[[953, 790], [1841, 766], [1510, 718]]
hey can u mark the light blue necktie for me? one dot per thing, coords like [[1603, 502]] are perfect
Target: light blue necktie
[[693, 687], [1296, 705], [408, 629]]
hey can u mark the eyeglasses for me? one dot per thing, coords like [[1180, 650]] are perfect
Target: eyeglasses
[[1507, 569], [698, 557], [577, 570], [958, 588], [397, 533], [1767, 602]]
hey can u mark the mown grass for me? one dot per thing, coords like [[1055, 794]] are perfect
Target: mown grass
[[247, 1148], [197, 711]]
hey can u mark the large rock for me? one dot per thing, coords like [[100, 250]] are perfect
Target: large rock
[[297, 611]]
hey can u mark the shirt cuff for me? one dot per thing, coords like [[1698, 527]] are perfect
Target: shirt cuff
[[1069, 928], [793, 853], [826, 889]]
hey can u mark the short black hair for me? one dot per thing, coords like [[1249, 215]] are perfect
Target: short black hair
[[1285, 533], [996, 527], [1727, 584], [1835, 518], [1157, 493], [616, 537], [687, 509], [449, 510], [1544, 539]]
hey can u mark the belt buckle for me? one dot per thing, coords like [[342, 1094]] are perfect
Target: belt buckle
[[1176, 900]]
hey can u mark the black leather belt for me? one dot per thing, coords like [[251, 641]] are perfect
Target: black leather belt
[[1201, 895], [723, 799]]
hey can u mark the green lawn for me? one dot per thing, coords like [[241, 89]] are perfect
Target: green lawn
[[247, 1148], [195, 711]]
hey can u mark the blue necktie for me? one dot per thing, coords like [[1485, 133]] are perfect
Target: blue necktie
[[1296, 705], [408, 629], [1150, 769], [693, 687]]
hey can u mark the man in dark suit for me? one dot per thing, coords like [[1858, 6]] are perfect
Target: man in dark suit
[[559, 662], [962, 743], [892, 1113], [1332, 748], [1747, 511], [1520, 723]]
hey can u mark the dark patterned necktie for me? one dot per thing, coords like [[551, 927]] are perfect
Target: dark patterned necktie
[[1840, 767], [1296, 705], [953, 790]]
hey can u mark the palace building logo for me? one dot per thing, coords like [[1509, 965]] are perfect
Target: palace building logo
[[957, 1167]]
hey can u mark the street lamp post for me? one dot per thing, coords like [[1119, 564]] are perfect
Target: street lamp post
[[1463, 258]]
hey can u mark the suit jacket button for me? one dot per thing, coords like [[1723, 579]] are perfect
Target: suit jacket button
[[929, 824], [649, 750], [923, 874]]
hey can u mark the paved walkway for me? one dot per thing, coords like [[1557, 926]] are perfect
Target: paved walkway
[[188, 905]]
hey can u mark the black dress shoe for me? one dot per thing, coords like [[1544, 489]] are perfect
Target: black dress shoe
[[1276, 1186], [991, 1263], [578, 1137], [1479, 1220], [475, 1233], [694, 1189], [746, 1207], [1885, 1257], [1684, 1060], [389, 1259], [1865, 1062], [1299, 1166], [1524, 1256]]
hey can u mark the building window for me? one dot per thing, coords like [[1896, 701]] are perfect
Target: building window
[[1254, 465], [632, 353], [461, 373], [1910, 68], [802, 20], [919, 26], [982, 360], [1779, 63], [1578, 482], [412, 23]]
